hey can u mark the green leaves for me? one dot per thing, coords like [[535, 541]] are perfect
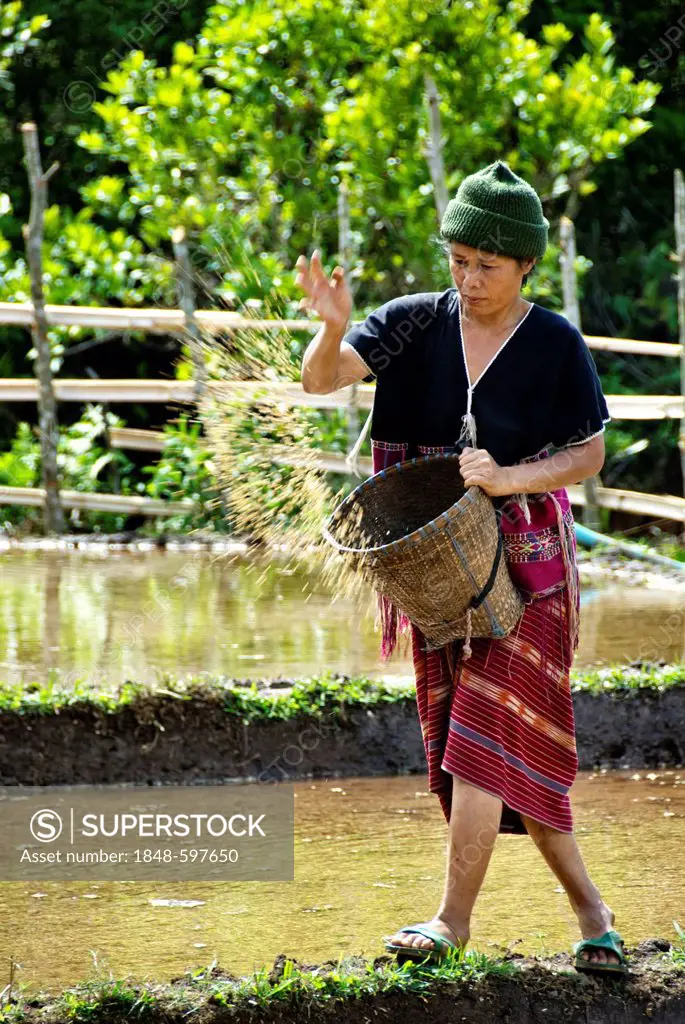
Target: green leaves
[[245, 138], [17, 34], [19, 466], [598, 35], [183, 470]]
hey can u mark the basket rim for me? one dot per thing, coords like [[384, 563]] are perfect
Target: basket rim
[[408, 538]]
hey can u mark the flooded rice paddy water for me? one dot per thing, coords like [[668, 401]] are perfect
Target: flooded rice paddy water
[[369, 853], [369, 857], [110, 616]]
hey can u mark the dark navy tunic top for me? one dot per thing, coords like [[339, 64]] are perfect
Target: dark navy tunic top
[[541, 388]]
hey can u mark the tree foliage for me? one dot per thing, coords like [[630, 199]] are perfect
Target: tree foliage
[[242, 121]]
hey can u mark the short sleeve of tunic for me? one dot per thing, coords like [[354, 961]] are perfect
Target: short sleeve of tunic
[[395, 341], [383, 337], [579, 411]]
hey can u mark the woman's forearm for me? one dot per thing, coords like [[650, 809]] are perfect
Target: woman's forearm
[[321, 359], [567, 466]]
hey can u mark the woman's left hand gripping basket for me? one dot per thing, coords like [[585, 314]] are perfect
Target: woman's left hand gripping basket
[[431, 545]]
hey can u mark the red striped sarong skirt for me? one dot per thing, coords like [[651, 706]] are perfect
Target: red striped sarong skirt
[[502, 719]]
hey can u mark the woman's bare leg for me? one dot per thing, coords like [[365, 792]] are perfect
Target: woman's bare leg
[[561, 852], [473, 828]]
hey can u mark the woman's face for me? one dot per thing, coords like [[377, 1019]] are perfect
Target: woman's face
[[485, 280]]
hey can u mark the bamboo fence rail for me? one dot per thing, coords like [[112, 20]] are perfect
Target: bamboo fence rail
[[661, 505], [129, 503], [168, 391], [624, 407], [213, 321]]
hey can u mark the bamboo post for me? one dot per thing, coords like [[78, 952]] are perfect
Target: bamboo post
[[569, 283], [186, 300], [53, 514], [434, 147], [679, 189], [344, 243], [344, 254], [569, 286]]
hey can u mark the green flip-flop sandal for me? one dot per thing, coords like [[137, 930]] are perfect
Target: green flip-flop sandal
[[611, 940], [442, 945]]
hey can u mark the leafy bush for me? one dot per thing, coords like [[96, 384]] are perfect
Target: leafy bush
[[87, 463], [184, 470]]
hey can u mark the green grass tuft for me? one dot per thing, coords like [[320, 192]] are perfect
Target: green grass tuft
[[629, 678], [676, 954], [97, 1001], [317, 696]]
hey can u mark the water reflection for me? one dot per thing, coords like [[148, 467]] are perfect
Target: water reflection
[[118, 615]]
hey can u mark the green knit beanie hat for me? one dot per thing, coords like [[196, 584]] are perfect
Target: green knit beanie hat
[[497, 211]]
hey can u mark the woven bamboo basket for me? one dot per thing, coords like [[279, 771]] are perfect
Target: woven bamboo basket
[[433, 546]]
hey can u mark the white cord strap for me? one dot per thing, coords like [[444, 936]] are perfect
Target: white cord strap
[[468, 433], [352, 457]]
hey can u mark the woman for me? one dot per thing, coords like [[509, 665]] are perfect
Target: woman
[[511, 386]]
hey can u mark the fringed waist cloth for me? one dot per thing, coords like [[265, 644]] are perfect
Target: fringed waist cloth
[[501, 716]]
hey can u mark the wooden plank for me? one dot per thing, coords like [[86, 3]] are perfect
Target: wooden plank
[[154, 321], [134, 437], [97, 502], [151, 320], [660, 505], [331, 462], [645, 407], [637, 348], [215, 320], [79, 390], [168, 391], [630, 407], [637, 502], [666, 506]]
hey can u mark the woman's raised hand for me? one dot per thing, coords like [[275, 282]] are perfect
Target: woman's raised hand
[[330, 298]]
